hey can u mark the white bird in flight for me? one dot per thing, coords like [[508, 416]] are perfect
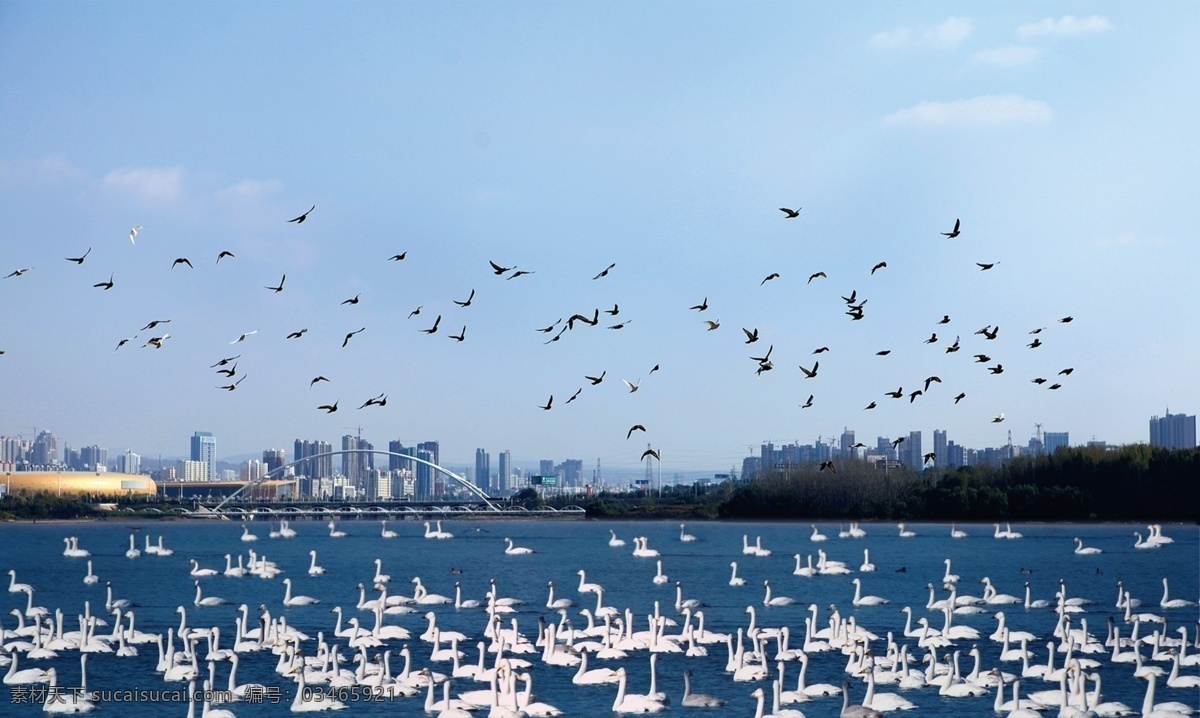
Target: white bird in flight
[[243, 337], [133, 233]]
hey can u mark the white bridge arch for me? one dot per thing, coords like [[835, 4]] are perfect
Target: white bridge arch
[[276, 473]]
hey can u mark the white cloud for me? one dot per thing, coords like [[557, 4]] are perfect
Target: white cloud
[[983, 111], [1009, 56], [249, 189], [949, 33], [1066, 25], [147, 183]]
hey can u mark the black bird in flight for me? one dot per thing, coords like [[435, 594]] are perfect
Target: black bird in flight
[[982, 358], [297, 335], [182, 260], [931, 456], [998, 369], [1039, 330], [329, 408], [992, 334], [123, 342], [869, 406], [772, 275], [301, 218], [895, 394], [467, 303], [881, 265], [1066, 372], [913, 396], [751, 336], [953, 233], [712, 325], [650, 452], [106, 285], [549, 403], [1054, 386], [398, 257], [223, 255], [960, 397], [852, 298], [231, 387], [828, 465], [230, 372], [156, 342], [347, 339], [574, 396], [596, 379], [822, 350], [79, 260], [1035, 343], [580, 318], [614, 311], [155, 323], [931, 380], [953, 347], [18, 272], [945, 319], [622, 324], [315, 380], [635, 427], [897, 442], [415, 312], [605, 272], [808, 403], [1066, 320], [519, 272], [791, 213], [461, 335], [353, 300], [814, 276], [701, 306], [225, 361], [498, 269], [652, 370], [278, 289], [1039, 381], [810, 374], [998, 419], [984, 267], [932, 338], [550, 328], [434, 328], [765, 359], [883, 353], [379, 400]]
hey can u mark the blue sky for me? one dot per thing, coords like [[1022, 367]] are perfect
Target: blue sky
[[561, 138]]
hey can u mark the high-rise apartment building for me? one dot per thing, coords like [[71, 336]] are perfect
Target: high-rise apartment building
[[504, 472], [129, 463], [355, 466], [483, 470], [274, 458], [395, 463], [45, 449], [1173, 431], [847, 444], [204, 450], [314, 468], [424, 474], [1054, 440]]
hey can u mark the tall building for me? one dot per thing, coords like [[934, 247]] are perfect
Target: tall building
[[395, 463], [847, 444], [45, 449], [910, 451], [940, 448], [546, 467], [318, 468], [883, 447], [274, 458], [204, 450], [570, 472], [195, 471], [1053, 440], [129, 463], [504, 472], [483, 469], [424, 474], [356, 466], [253, 470], [1173, 431]]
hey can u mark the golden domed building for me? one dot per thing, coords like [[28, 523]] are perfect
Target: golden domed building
[[75, 483]]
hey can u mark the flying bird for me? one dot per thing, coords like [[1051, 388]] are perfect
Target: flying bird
[[549, 403], [1054, 386], [460, 336], [380, 400], [984, 267], [416, 311], [155, 323], [550, 328], [791, 213], [632, 387], [520, 272], [347, 339], [434, 328], [230, 372], [123, 342], [998, 419], [1066, 372], [329, 408], [467, 303], [315, 380], [808, 403], [998, 369], [635, 427], [614, 311], [398, 257], [242, 338], [1066, 320], [751, 336], [810, 374], [954, 232], [960, 397], [852, 298], [652, 370], [712, 325], [932, 338], [133, 233], [225, 361], [156, 342], [772, 275], [913, 396], [223, 255], [621, 325], [596, 379], [953, 347], [931, 456], [182, 260], [353, 300], [1039, 381], [1035, 343], [828, 465], [945, 319], [897, 442], [881, 265], [767, 357], [278, 289], [814, 276], [79, 260], [869, 406], [883, 353], [297, 335], [301, 218], [605, 272], [231, 387], [821, 350], [932, 380], [573, 396], [701, 306], [1039, 330], [895, 394], [497, 268], [106, 285], [19, 272], [982, 358], [650, 452]]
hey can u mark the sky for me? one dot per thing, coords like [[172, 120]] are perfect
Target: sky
[[560, 138]]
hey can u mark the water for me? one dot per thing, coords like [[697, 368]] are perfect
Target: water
[[158, 585]]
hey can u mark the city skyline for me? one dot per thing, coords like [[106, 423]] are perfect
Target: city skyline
[[951, 169]]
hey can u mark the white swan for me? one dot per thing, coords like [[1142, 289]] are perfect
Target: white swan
[[696, 700], [806, 571], [613, 540], [643, 549], [659, 576], [133, 551], [1079, 548], [333, 531], [734, 580], [777, 600], [866, 564], [290, 600], [1144, 544], [1164, 603], [207, 600], [196, 570], [855, 711], [632, 703], [90, 578], [904, 533], [311, 701], [385, 532], [860, 600], [684, 536], [955, 532], [516, 550], [73, 549], [817, 535], [313, 568], [246, 535], [551, 603]]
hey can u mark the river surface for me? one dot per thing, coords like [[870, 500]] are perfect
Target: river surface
[[158, 585]]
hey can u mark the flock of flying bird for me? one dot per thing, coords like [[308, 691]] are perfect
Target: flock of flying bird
[[228, 367]]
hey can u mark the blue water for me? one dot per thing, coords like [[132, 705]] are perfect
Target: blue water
[[158, 585]]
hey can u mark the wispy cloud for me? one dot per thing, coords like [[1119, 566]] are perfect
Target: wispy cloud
[[249, 189], [951, 32], [1009, 56], [983, 111], [53, 169], [153, 184], [1066, 25]]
